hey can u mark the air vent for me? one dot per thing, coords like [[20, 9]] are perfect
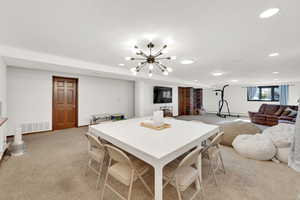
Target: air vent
[[35, 127]]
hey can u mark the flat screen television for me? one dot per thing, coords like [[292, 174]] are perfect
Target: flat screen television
[[162, 94]]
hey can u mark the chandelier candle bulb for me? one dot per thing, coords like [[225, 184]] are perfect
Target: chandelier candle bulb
[[169, 69], [133, 69], [150, 66]]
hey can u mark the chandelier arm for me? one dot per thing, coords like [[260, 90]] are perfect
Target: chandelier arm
[[163, 66], [159, 66], [138, 68], [138, 59], [164, 58], [160, 51], [158, 54], [141, 53]]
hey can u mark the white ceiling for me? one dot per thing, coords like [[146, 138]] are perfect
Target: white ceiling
[[221, 36]]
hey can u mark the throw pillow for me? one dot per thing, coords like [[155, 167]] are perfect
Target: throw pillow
[[287, 111], [279, 111], [293, 113]]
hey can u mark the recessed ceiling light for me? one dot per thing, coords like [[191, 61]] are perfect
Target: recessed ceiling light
[[121, 64], [234, 81], [275, 72], [217, 74], [273, 54], [269, 13], [196, 80], [187, 62], [276, 79]]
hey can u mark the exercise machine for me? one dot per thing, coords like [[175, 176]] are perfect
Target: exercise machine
[[221, 103]]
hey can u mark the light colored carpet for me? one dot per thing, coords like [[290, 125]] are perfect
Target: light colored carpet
[[54, 164]]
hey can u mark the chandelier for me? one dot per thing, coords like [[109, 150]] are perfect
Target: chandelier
[[151, 60]]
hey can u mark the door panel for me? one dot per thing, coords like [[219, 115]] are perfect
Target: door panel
[[64, 103]]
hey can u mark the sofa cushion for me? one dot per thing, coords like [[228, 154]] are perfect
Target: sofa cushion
[[272, 118], [286, 111], [286, 118], [262, 108], [271, 109], [261, 116], [293, 113], [279, 111], [233, 129]]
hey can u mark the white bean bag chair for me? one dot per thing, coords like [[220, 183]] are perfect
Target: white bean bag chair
[[283, 154], [258, 147], [281, 134]]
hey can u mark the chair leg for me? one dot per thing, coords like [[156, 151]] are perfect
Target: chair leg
[[105, 180], [215, 177], [87, 167], [212, 172], [130, 186], [178, 191], [201, 186], [145, 184], [198, 188], [221, 158], [99, 174]]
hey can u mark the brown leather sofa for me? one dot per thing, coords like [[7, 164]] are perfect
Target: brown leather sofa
[[270, 115]]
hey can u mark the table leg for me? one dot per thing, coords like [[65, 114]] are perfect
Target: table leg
[[158, 189]]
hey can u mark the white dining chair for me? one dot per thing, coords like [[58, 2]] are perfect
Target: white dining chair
[[125, 170], [96, 153], [184, 174], [213, 154]]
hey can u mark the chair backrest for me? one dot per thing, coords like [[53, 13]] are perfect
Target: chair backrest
[[217, 139], [118, 155], [94, 142], [191, 158]]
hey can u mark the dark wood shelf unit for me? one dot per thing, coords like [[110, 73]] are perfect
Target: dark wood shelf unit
[[189, 100]]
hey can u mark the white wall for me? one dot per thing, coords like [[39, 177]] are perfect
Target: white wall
[[236, 96], [3, 98], [30, 96], [3, 75], [294, 93], [144, 105]]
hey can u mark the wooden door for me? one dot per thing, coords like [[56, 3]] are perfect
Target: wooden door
[[64, 103], [184, 101], [181, 100]]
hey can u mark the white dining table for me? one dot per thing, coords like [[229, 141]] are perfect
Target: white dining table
[[155, 147]]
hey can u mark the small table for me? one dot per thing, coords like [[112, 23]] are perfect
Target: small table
[[157, 148]]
